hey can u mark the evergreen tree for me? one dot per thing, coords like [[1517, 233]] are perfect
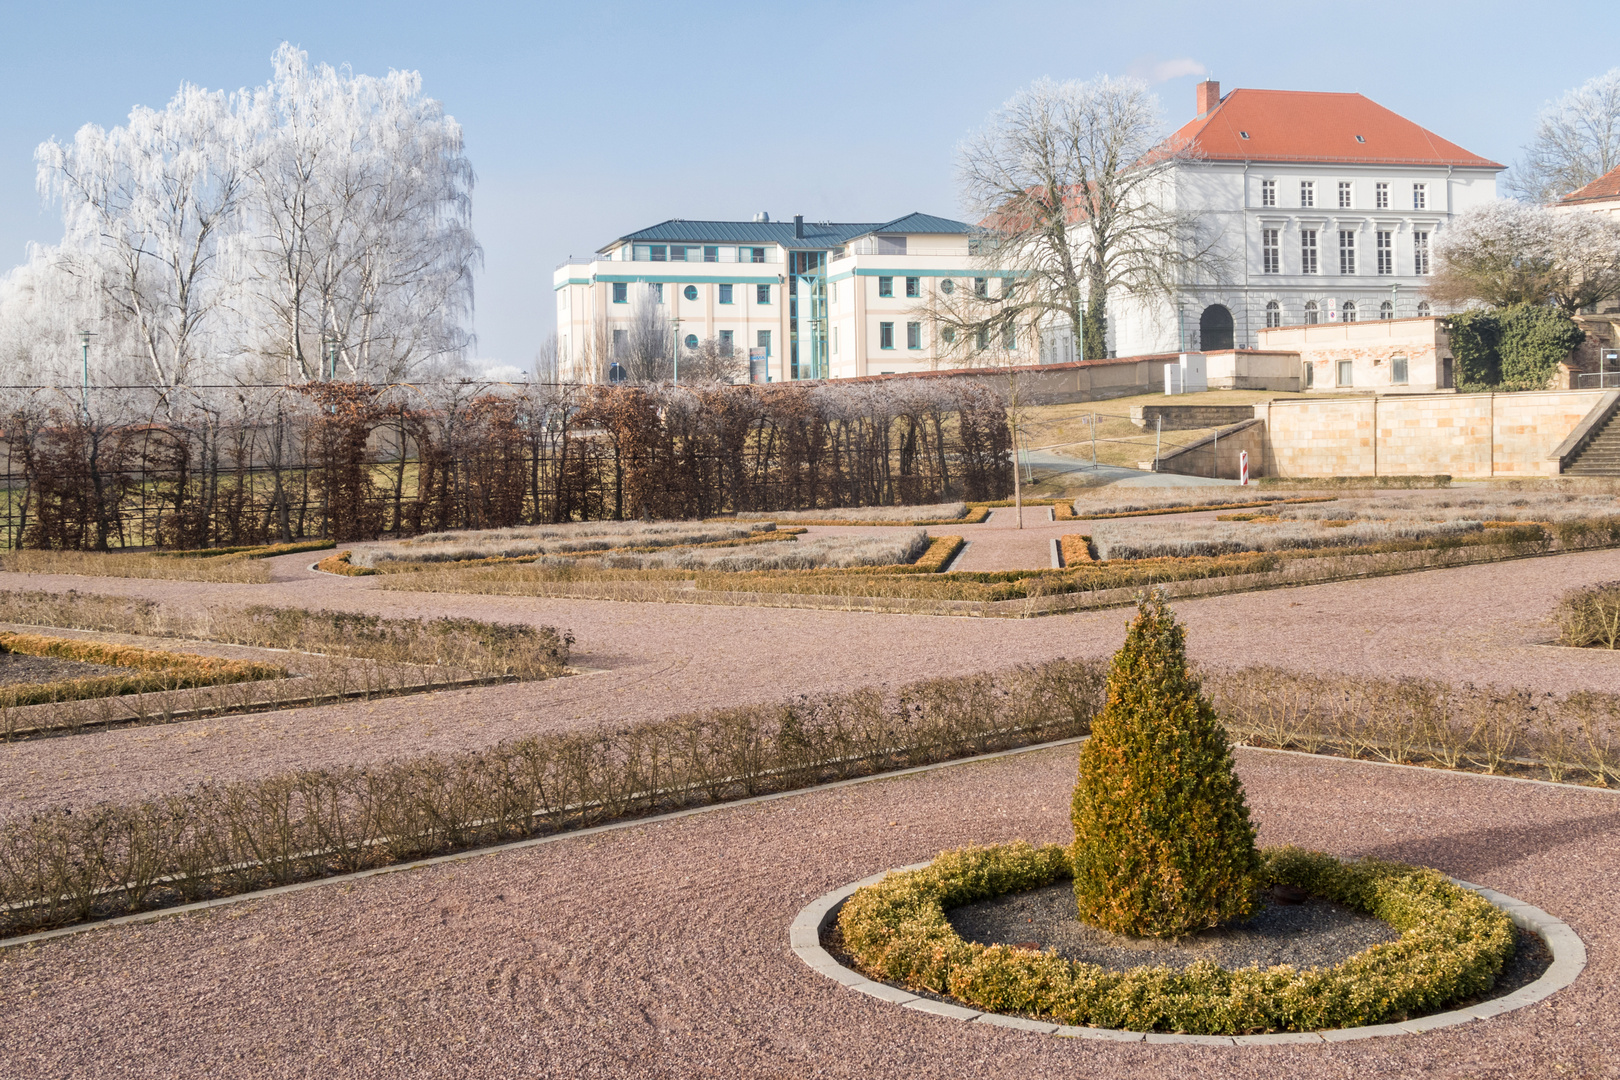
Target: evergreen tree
[[1162, 840]]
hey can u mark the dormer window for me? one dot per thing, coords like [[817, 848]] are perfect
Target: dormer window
[[1243, 134]]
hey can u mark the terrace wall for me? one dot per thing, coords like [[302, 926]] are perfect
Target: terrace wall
[[1465, 435]]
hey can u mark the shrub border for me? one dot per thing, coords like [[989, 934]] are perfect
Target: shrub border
[[1568, 952]]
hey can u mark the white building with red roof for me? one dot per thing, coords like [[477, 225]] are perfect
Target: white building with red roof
[[1326, 207]]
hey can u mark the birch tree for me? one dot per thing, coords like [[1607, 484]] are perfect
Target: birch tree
[[1075, 190]]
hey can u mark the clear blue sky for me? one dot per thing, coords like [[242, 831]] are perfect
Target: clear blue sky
[[586, 121]]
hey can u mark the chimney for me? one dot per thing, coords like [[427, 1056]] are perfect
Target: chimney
[[1209, 96], [798, 226]]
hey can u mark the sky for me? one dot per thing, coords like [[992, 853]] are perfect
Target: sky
[[588, 121]]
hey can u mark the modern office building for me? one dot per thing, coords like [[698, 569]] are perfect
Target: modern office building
[[806, 300], [1325, 206]]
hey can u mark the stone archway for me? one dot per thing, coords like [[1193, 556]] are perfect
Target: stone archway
[[1215, 328]]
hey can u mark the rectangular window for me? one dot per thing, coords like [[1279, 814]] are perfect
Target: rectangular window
[[618, 342], [913, 335], [1307, 251], [711, 254], [762, 340], [1307, 193], [981, 340], [725, 341], [1270, 251], [1397, 371], [762, 294], [1347, 251], [981, 286], [1347, 370], [1268, 193], [885, 335], [914, 286], [1420, 253], [677, 253], [1381, 195], [725, 294], [885, 286], [1420, 196], [1346, 195], [656, 288], [621, 292], [659, 253], [1386, 252], [1009, 337], [835, 341], [1310, 376]]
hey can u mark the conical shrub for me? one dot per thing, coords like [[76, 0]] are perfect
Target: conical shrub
[[1162, 840]]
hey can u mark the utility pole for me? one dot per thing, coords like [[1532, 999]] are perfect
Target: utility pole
[[1158, 440]]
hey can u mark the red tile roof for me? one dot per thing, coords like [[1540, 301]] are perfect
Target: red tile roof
[[1606, 186], [1298, 125]]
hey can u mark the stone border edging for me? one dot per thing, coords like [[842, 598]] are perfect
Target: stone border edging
[[1569, 959]]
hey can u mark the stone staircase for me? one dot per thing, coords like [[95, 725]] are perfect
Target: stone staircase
[[1601, 456]]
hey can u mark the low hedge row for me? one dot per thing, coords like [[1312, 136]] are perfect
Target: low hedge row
[[1159, 510], [153, 670], [251, 551], [1453, 944], [61, 866], [1075, 550]]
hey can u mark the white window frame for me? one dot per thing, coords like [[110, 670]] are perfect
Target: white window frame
[[1347, 252], [1273, 314], [1420, 253], [1271, 251], [1307, 193], [1345, 373], [1420, 196], [1385, 243], [1347, 194], [1268, 193], [1308, 252], [1381, 195]]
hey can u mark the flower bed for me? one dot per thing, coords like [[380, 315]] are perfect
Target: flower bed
[[1075, 549], [152, 670], [1453, 945]]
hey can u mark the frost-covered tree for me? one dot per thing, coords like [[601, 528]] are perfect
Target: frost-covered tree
[[1503, 253], [1577, 140], [319, 224]]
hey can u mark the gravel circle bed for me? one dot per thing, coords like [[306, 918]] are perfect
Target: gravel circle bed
[[1311, 932], [18, 668]]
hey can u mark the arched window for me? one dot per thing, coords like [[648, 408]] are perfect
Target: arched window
[[1386, 310], [1349, 311], [1423, 310], [1273, 313], [1310, 313]]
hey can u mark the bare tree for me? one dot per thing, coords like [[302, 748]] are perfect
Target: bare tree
[[1504, 253], [713, 361], [546, 360], [647, 352], [1076, 191], [1577, 140]]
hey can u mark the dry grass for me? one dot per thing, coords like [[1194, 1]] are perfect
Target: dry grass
[[1075, 549], [238, 569], [1121, 501], [1134, 539], [591, 536], [1443, 506], [935, 514]]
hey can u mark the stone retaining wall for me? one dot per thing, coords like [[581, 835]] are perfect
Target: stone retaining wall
[[1465, 435]]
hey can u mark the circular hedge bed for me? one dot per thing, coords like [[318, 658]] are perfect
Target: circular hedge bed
[[1452, 946]]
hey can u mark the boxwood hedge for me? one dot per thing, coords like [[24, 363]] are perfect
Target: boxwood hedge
[[1452, 946]]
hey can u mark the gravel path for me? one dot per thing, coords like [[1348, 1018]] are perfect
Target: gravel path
[[661, 950], [1475, 624]]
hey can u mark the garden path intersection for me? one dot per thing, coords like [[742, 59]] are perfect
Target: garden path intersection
[[660, 949]]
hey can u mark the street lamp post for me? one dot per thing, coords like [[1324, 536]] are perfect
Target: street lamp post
[[84, 344]]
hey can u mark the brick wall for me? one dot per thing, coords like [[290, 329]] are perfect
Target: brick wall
[[1466, 435]]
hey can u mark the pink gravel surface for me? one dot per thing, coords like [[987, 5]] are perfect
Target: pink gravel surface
[[661, 950], [1477, 623]]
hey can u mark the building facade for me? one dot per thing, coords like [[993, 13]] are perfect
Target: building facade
[[804, 300], [1323, 208]]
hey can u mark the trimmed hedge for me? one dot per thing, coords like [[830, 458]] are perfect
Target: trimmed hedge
[[1452, 947]]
